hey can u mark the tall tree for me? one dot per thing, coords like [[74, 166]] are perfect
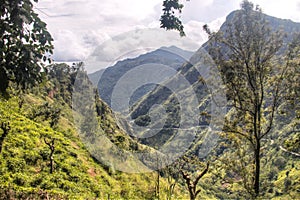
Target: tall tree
[[254, 78], [24, 43]]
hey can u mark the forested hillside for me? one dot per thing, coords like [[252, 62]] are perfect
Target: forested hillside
[[257, 57], [225, 126], [43, 156]]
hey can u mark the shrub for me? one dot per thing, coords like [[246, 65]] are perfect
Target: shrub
[[16, 164], [280, 162]]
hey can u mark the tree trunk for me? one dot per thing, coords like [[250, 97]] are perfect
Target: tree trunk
[[51, 163], [192, 197], [51, 145], [257, 169], [158, 186]]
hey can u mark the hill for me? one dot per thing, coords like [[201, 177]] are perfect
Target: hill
[[43, 154], [161, 95], [106, 79]]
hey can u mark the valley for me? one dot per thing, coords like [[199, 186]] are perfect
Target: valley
[[222, 122]]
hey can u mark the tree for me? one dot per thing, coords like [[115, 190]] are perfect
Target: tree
[[188, 169], [60, 77], [172, 175], [157, 181], [169, 19], [51, 145], [293, 79], [46, 112], [25, 42], [255, 79]]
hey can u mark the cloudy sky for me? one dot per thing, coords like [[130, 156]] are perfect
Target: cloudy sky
[[79, 27]]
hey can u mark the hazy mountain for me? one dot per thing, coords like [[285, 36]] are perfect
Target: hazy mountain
[[106, 79]]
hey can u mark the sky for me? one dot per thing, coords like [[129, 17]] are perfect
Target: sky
[[118, 28]]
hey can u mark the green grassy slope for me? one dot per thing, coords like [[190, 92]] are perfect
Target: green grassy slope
[[24, 160]]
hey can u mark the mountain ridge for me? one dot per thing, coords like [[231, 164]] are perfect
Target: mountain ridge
[[106, 79]]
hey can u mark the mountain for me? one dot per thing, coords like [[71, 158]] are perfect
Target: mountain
[[161, 95], [174, 126], [285, 25], [107, 79]]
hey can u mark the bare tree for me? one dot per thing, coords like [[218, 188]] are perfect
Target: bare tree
[[51, 145], [189, 167]]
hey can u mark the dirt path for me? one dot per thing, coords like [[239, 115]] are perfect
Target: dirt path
[[285, 150]]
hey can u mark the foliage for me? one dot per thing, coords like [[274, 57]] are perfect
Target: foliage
[[62, 78], [273, 59], [25, 43], [254, 79], [33, 145], [38, 130], [293, 79], [192, 180], [169, 20]]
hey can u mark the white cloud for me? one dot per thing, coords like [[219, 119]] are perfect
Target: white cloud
[[79, 26], [134, 43], [281, 8], [64, 40], [207, 10]]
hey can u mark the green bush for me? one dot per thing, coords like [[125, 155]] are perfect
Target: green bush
[[32, 157], [16, 165], [280, 162], [20, 179]]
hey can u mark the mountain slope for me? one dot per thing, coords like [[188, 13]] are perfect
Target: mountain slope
[[161, 95], [32, 137], [106, 79]]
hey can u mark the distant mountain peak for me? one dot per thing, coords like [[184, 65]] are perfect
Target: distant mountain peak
[[106, 79]]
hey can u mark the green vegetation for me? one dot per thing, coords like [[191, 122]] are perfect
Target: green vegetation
[[24, 42], [258, 57], [50, 148], [40, 158], [254, 81], [169, 20]]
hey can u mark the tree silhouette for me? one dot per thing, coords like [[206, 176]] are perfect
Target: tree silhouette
[[51, 145]]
